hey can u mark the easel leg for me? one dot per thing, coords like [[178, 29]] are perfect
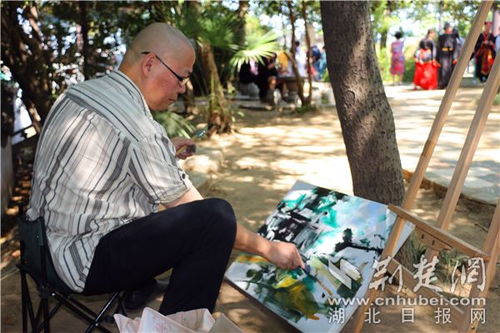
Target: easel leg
[[492, 246]]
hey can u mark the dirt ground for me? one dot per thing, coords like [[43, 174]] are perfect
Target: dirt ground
[[263, 160], [269, 152]]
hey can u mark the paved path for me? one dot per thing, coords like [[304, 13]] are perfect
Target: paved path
[[414, 112]]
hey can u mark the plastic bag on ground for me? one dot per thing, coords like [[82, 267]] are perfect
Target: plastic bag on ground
[[194, 321]]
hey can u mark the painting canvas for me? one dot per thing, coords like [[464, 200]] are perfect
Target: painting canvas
[[339, 237]]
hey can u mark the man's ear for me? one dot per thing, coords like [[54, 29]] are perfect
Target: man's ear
[[147, 64]]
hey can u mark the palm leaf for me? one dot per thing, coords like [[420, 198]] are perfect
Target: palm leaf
[[257, 46], [174, 124]]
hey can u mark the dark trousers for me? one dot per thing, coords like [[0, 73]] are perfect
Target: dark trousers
[[195, 239]]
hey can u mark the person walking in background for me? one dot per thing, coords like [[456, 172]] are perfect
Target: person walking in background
[[484, 53], [266, 79], [429, 37], [447, 55], [460, 41], [397, 59], [300, 59], [322, 62], [425, 67], [316, 55]]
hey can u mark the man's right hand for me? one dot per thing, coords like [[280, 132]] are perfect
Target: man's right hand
[[284, 255]]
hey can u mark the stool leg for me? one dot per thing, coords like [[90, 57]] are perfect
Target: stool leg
[[24, 290], [45, 310]]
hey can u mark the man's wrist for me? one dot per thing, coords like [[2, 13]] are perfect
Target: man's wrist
[[265, 249]]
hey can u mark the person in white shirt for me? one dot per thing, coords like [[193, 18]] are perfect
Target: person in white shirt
[[104, 170]]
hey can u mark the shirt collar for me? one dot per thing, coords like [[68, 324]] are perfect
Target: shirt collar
[[132, 89]]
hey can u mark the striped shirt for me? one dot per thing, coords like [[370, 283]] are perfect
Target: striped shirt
[[101, 162]]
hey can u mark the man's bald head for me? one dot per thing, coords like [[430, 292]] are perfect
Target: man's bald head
[[160, 38], [159, 61]]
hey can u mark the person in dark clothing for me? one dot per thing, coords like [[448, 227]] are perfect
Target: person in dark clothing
[[266, 79], [484, 53], [245, 75], [447, 55]]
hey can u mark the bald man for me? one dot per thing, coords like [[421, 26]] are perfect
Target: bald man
[[104, 170]]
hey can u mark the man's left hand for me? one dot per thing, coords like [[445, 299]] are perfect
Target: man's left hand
[[184, 147]]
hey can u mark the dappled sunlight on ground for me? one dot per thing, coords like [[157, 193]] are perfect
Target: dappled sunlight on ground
[[272, 150]]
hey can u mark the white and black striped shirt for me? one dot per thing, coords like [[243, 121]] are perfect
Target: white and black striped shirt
[[101, 162]]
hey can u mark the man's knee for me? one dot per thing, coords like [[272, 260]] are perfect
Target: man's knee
[[224, 220]]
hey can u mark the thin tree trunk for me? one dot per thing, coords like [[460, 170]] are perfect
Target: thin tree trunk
[[219, 118], [383, 39], [308, 44], [242, 11], [364, 112], [188, 98], [300, 86], [84, 24]]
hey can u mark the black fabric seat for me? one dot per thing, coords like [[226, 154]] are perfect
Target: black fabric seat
[[37, 263]]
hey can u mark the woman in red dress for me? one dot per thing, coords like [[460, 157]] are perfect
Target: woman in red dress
[[425, 67]]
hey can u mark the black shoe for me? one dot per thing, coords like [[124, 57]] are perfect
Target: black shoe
[[138, 299]]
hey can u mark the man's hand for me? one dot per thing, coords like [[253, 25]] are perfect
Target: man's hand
[[282, 254], [285, 255], [183, 147]]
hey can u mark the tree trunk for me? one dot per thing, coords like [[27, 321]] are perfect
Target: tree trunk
[[309, 61], [27, 60], [219, 117], [242, 11], [300, 86], [85, 49], [364, 112], [383, 39], [189, 101]]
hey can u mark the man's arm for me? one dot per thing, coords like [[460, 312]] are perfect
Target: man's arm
[[282, 254], [191, 195]]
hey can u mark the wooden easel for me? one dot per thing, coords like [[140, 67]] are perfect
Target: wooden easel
[[437, 238]]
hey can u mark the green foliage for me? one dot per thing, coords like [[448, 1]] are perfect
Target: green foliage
[[257, 46], [497, 100], [384, 65], [174, 124], [306, 108]]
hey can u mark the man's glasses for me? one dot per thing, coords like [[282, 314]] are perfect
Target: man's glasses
[[182, 80]]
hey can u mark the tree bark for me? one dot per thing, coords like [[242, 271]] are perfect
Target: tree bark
[[364, 112], [300, 87], [383, 39], [309, 61], [85, 48], [219, 118], [27, 60], [219, 115], [243, 7]]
